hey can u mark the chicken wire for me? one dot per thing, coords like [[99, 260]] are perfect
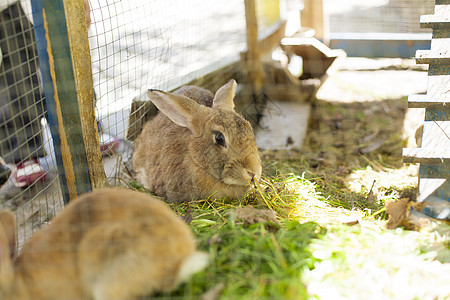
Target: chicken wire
[[140, 44], [380, 16], [24, 135], [135, 45]]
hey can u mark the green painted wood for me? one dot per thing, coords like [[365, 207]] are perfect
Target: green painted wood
[[434, 153], [424, 155], [61, 96], [424, 101]]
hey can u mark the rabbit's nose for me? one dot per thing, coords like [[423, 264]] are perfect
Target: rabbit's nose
[[251, 174]]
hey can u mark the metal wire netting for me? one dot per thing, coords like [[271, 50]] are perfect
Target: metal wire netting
[[380, 16], [25, 138], [137, 45]]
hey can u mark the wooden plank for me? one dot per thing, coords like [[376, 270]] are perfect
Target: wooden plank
[[424, 155], [317, 57], [434, 56], [434, 154], [60, 87], [82, 68], [269, 40], [438, 82], [380, 44], [272, 37], [430, 21], [440, 19], [434, 187], [253, 58], [442, 2], [436, 135], [424, 101], [313, 16], [442, 11]]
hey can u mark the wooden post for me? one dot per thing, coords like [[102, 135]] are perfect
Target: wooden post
[[434, 152], [63, 48], [253, 59], [312, 16]]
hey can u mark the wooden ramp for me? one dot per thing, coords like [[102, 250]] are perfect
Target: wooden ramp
[[434, 152]]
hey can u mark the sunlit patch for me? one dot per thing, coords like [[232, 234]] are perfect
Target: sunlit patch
[[383, 183], [297, 198]]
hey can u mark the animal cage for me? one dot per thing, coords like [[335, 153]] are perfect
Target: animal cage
[[104, 61], [133, 46], [95, 70]]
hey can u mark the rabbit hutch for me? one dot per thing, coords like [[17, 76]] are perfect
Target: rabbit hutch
[[347, 101]]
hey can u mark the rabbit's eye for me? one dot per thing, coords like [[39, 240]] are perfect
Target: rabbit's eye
[[219, 138]]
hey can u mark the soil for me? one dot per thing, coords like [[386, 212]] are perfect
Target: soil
[[358, 125]]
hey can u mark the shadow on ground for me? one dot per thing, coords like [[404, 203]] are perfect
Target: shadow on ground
[[353, 151]]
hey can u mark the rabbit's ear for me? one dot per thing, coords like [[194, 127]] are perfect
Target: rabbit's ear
[[178, 108], [7, 247], [225, 95]]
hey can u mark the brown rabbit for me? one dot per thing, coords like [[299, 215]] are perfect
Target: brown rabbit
[[108, 244], [197, 146]]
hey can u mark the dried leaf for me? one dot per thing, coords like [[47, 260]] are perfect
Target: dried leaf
[[213, 293], [406, 214], [348, 220], [397, 212]]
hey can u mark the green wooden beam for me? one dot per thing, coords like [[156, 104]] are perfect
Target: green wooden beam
[[62, 95]]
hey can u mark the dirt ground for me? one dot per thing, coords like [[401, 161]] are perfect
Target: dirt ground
[[352, 151], [358, 125]]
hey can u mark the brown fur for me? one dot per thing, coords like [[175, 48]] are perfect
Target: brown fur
[[176, 155], [109, 244]]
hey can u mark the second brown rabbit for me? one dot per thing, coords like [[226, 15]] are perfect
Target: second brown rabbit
[[197, 146], [109, 244]]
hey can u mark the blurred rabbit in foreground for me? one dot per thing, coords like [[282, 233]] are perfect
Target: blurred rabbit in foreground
[[108, 244], [197, 146]]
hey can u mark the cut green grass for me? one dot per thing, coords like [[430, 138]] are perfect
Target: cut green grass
[[311, 254], [253, 262]]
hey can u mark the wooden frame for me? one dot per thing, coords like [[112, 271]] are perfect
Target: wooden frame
[[63, 48]]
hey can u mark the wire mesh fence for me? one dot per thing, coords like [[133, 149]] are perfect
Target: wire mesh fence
[[136, 45], [25, 139], [379, 16]]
